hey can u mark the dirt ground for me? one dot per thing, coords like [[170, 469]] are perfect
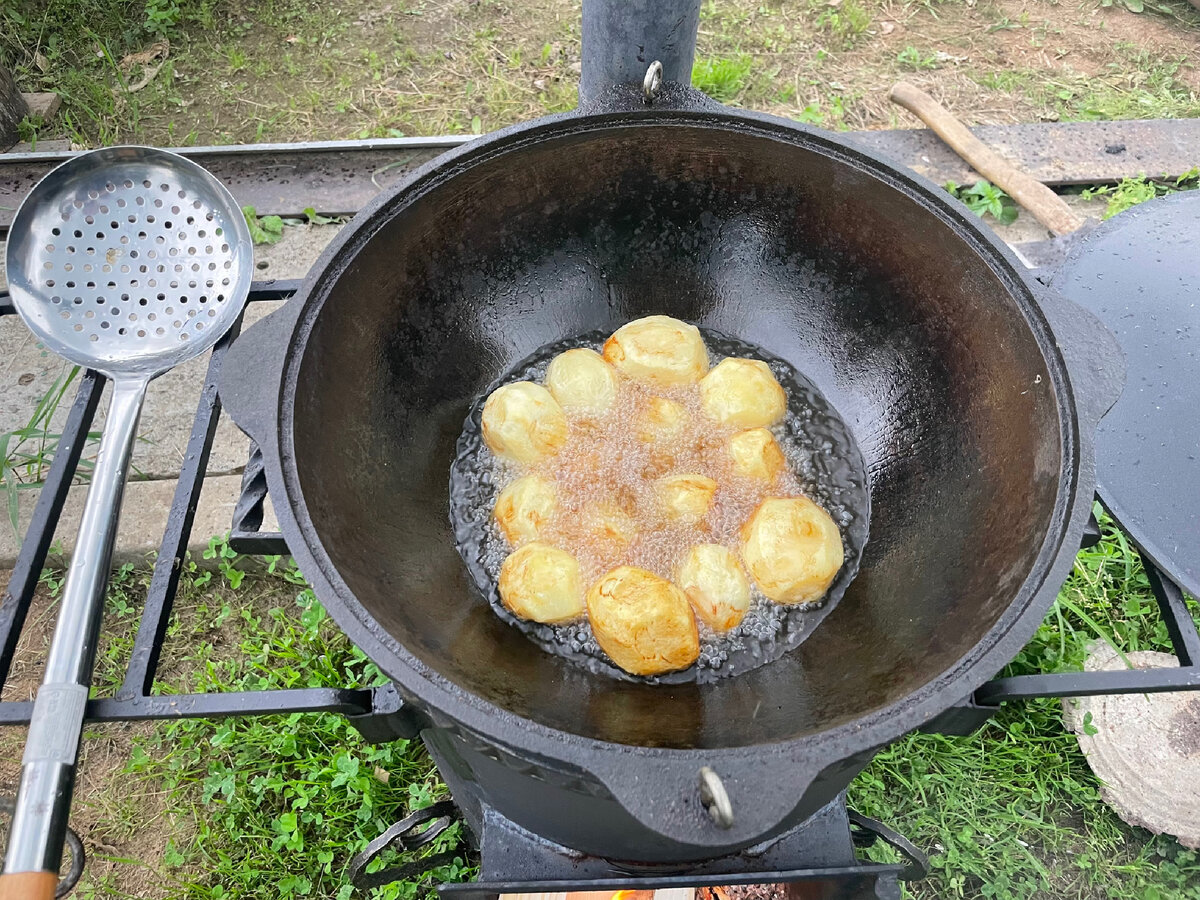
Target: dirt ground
[[291, 70], [111, 814]]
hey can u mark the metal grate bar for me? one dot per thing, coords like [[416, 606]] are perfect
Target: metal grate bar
[[1185, 636], [246, 535], [346, 702], [152, 629], [1089, 684], [19, 594], [133, 702]]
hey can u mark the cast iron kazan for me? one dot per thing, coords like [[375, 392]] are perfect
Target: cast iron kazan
[[973, 393]]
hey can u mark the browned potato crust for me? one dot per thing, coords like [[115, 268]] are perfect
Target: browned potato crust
[[643, 622], [542, 583], [658, 350], [523, 422], [792, 549]]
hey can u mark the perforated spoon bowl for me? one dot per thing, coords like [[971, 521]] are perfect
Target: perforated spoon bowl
[[127, 260]]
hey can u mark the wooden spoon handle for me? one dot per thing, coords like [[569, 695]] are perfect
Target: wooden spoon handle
[[1047, 207], [28, 885]]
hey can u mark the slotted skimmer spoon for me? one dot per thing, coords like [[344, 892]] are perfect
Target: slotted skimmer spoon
[[127, 260]]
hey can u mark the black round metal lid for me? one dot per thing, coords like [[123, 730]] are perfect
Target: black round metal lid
[[1140, 274]]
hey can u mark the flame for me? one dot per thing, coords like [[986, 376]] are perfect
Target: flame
[[704, 893]]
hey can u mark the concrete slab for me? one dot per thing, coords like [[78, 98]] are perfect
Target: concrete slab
[[43, 104], [293, 256], [28, 372], [143, 518], [57, 146]]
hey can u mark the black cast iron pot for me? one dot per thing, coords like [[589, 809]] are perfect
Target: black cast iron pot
[[972, 392]]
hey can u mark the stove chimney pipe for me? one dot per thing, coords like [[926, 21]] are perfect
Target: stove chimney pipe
[[622, 37]]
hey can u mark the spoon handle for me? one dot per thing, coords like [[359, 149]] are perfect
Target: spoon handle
[[39, 822]]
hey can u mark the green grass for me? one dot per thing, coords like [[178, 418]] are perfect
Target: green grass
[[1142, 87], [1013, 811], [914, 60], [74, 49], [843, 23], [284, 69], [26, 452], [1135, 84], [283, 802], [723, 78], [1132, 191], [1010, 812], [295, 70], [984, 198]]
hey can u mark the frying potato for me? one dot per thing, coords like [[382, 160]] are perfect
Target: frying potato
[[742, 393], [659, 350], [643, 622], [755, 454], [523, 422], [582, 382], [524, 508], [609, 529], [715, 585], [541, 583], [685, 497], [662, 420], [792, 549]]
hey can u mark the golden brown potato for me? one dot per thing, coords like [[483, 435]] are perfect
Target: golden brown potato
[[609, 529], [686, 497], [524, 508], [792, 549], [742, 393], [659, 350], [712, 578], [582, 382], [755, 454], [643, 622], [661, 421], [523, 422], [542, 583]]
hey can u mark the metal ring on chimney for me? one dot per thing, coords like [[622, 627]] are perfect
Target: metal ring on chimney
[[652, 83]]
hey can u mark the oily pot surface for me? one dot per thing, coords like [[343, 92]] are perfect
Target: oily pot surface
[[920, 346]]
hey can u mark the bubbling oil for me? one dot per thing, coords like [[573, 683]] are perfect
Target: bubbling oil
[[610, 512]]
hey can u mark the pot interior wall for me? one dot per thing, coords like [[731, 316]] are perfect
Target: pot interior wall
[[897, 318]]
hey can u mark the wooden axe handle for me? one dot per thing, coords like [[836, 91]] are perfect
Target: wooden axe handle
[[28, 885], [1047, 207]]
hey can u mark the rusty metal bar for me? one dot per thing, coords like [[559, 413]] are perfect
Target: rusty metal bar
[[340, 177], [1055, 153]]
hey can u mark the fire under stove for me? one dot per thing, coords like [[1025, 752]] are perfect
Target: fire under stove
[[1137, 479]]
